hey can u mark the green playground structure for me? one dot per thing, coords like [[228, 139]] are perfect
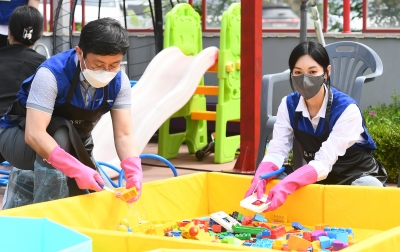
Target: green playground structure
[[183, 30]]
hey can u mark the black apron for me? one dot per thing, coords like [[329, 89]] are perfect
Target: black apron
[[354, 164], [80, 123]]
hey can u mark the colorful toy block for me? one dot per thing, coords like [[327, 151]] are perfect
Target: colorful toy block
[[277, 231], [298, 226], [263, 243], [247, 229], [307, 236], [216, 228], [129, 194], [254, 204], [243, 236], [317, 233], [224, 220], [247, 220], [279, 218], [325, 242], [260, 218], [297, 243], [339, 245]]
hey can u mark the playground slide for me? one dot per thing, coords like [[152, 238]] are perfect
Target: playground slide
[[167, 84]]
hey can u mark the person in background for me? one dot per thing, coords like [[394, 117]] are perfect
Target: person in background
[[328, 127], [18, 61], [46, 133], [7, 7]]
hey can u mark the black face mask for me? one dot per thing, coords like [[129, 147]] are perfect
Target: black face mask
[[307, 85]]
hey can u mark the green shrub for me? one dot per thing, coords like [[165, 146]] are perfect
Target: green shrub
[[383, 124]]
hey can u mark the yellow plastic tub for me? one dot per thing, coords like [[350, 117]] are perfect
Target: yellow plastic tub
[[372, 213]]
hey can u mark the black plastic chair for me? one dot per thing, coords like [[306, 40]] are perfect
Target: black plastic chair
[[349, 61]]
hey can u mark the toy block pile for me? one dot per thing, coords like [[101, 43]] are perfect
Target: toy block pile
[[255, 231]]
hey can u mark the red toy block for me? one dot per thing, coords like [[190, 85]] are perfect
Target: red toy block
[[182, 223], [248, 220], [277, 231], [307, 236], [216, 228]]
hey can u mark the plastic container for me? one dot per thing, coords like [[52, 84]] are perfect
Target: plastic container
[[372, 213], [40, 234]]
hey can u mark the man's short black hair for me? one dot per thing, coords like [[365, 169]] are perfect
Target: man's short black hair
[[104, 36]]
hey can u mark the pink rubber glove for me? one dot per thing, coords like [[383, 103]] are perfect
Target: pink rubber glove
[[305, 175], [85, 177], [263, 168], [132, 167]]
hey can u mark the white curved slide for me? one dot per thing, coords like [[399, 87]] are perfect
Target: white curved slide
[[167, 84]]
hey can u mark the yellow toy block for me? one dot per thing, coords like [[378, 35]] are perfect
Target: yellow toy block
[[129, 194], [278, 244], [316, 246], [280, 218], [153, 227], [192, 231]]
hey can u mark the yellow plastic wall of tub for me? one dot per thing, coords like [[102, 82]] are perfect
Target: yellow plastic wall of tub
[[373, 213]]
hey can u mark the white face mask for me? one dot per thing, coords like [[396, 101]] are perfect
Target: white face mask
[[99, 78]]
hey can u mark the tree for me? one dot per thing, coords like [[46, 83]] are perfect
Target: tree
[[335, 16], [384, 13]]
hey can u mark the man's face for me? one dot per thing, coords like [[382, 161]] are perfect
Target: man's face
[[100, 62]]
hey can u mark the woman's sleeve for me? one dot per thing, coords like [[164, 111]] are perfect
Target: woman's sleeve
[[346, 132], [282, 141]]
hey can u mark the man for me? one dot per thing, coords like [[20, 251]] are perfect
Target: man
[[48, 127]]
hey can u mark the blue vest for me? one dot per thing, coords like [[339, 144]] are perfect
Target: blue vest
[[339, 103], [63, 67], [7, 8]]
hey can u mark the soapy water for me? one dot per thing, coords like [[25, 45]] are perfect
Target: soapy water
[[136, 216]]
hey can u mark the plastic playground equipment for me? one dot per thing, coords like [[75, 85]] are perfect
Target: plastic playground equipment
[[166, 85], [184, 31]]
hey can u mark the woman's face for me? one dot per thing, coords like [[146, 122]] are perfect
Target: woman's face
[[307, 65]]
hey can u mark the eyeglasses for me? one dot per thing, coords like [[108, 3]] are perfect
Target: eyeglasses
[[100, 70]]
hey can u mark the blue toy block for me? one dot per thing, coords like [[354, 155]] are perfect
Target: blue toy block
[[325, 241], [177, 234], [211, 222], [263, 243], [342, 236], [296, 225], [332, 234], [247, 244], [266, 232], [350, 231], [259, 217]]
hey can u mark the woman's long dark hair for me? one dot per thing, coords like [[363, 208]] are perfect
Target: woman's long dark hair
[[316, 51]]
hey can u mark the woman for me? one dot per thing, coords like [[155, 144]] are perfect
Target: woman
[[328, 127], [6, 9], [18, 61]]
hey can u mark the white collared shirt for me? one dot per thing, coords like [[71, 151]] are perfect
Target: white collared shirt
[[346, 132]]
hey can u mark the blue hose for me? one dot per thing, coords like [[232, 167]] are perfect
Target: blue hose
[[271, 174], [159, 158], [121, 172], [5, 163], [4, 172], [99, 164]]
